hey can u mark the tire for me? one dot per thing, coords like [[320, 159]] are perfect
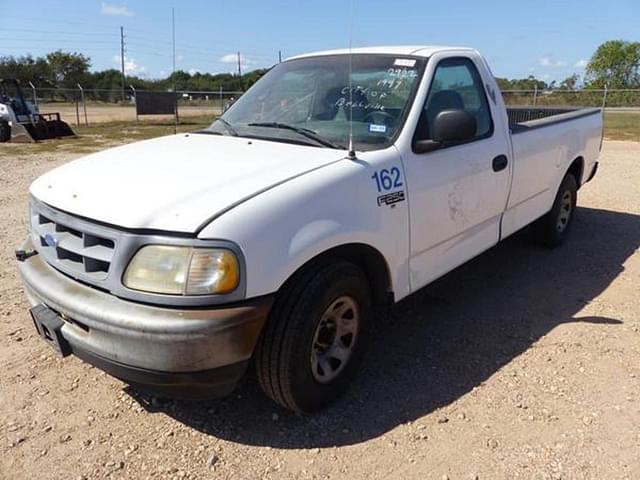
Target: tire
[[552, 229], [295, 360], [5, 131]]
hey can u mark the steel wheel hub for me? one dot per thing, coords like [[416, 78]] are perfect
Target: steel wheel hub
[[334, 339], [566, 207]]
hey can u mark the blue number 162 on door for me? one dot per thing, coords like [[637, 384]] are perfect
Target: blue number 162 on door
[[386, 179]]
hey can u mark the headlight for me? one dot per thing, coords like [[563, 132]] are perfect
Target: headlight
[[182, 270]]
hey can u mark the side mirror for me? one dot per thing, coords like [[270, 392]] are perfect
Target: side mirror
[[449, 126]]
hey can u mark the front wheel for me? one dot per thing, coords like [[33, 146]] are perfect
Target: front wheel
[[315, 336], [552, 229]]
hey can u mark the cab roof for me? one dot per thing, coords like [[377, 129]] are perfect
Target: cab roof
[[400, 50]]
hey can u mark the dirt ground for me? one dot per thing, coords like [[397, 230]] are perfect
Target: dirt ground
[[524, 363], [101, 113]]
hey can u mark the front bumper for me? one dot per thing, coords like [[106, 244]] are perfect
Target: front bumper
[[183, 352]]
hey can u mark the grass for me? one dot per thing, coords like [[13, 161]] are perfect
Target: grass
[[622, 126], [103, 135], [618, 126]]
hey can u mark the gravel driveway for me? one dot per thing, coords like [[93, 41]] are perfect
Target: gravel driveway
[[524, 363]]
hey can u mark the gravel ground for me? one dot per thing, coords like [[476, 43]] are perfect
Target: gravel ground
[[524, 363]]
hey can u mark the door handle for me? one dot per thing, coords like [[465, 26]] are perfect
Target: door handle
[[500, 163]]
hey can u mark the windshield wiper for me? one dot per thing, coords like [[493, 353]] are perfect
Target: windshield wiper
[[228, 126], [305, 132]]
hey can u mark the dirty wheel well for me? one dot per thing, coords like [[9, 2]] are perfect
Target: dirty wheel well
[[576, 169], [370, 260]]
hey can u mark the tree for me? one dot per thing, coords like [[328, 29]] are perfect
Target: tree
[[616, 64], [68, 69], [25, 69], [529, 83], [570, 83]]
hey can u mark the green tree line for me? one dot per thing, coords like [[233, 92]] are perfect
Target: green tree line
[[615, 64], [66, 70]]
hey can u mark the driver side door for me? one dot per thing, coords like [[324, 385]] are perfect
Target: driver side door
[[456, 193]]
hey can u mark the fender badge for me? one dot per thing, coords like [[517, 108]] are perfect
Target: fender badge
[[391, 198]]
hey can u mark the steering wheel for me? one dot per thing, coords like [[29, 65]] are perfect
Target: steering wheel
[[385, 117]]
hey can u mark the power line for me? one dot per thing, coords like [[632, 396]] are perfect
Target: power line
[[48, 40], [50, 21], [55, 32]]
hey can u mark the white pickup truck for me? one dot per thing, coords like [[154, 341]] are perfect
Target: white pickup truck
[[341, 181]]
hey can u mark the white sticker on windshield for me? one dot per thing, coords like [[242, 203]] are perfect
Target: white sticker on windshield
[[404, 62], [377, 128]]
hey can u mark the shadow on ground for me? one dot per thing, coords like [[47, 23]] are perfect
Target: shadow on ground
[[440, 343]]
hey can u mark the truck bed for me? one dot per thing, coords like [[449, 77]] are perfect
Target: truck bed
[[526, 118]]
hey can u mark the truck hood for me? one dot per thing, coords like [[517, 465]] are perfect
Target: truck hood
[[174, 183]]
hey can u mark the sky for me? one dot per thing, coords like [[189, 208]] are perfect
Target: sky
[[547, 39]]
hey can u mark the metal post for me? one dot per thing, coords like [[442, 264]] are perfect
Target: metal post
[[279, 56], [535, 95], [84, 104], [135, 100], [77, 114], [239, 67], [35, 96], [221, 101], [604, 97]]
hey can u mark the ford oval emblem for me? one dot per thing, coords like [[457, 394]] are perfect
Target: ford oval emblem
[[50, 240]]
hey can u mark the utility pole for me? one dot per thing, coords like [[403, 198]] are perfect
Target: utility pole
[[122, 60], [175, 94], [173, 41], [279, 56], [239, 67]]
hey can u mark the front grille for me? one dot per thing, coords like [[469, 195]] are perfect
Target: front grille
[[70, 245], [97, 254]]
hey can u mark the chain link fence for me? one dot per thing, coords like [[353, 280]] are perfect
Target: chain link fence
[[82, 106], [605, 98], [86, 106]]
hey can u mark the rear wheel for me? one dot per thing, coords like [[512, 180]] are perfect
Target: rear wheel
[[314, 339], [5, 131], [552, 229]]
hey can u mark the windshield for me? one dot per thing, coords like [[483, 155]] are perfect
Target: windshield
[[309, 101]]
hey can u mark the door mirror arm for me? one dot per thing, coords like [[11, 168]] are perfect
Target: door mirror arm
[[425, 146]]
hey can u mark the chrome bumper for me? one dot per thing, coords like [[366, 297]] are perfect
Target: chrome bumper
[[141, 336]]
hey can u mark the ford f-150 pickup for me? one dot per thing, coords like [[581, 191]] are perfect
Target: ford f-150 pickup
[[340, 181]]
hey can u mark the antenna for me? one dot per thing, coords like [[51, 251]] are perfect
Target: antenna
[[352, 153]]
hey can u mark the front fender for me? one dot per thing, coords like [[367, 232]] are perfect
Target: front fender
[[283, 228]]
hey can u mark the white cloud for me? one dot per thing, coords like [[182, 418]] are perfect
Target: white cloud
[[229, 58], [233, 58], [581, 63], [193, 71], [131, 67], [119, 10], [551, 62]]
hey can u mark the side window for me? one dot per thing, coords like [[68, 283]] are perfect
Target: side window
[[456, 85]]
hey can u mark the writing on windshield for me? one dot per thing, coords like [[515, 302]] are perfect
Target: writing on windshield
[[324, 94]]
